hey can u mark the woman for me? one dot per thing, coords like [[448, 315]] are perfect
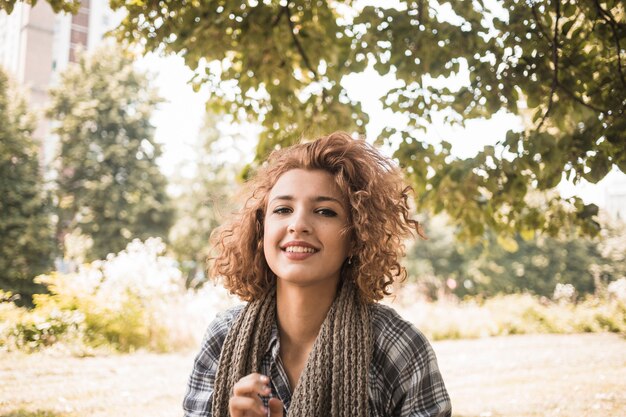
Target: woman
[[316, 245]]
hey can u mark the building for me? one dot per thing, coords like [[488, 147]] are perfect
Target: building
[[36, 45]]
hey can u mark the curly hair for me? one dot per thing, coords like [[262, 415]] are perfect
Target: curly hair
[[379, 218]]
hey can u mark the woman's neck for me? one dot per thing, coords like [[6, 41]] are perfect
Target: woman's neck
[[301, 311]]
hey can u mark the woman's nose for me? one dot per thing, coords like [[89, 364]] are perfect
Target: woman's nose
[[299, 223]]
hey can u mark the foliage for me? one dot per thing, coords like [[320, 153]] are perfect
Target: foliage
[[136, 299], [109, 185], [510, 314], [205, 184], [129, 301], [280, 65], [612, 248], [57, 5], [26, 235], [535, 265], [558, 64], [32, 331]]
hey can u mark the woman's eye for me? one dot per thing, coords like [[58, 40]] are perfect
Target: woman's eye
[[327, 212], [281, 210]]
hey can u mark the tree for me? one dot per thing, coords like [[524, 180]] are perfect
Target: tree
[[26, 234], [57, 5], [536, 266], [109, 185], [559, 63], [205, 186], [562, 59]]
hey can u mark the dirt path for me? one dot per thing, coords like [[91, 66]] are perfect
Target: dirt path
[[517, 376], [542, 375]]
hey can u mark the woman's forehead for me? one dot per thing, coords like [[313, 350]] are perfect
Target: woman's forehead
[[304, 183]]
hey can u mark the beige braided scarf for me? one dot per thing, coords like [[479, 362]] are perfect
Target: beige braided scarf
[[334, 381]]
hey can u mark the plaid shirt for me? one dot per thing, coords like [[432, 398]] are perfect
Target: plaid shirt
[[404, 378]]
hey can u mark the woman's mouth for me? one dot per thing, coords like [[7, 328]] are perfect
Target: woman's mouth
[[299, 249], [296, 251]]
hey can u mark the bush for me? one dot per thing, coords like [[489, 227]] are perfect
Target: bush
[[135, 299], [37, 331], [511, 314]]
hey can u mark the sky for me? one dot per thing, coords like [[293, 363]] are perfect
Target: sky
[[179, 119]]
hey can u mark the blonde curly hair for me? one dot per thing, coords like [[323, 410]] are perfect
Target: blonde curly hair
[[379, 217]]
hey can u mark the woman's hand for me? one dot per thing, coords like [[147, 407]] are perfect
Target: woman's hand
[[246, 399]]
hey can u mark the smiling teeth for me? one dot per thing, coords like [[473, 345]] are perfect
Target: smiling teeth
[[299, 249]]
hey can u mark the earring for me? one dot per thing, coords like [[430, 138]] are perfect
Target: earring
[[350, 260]]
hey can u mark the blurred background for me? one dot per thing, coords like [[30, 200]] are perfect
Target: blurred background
[[127, 129]]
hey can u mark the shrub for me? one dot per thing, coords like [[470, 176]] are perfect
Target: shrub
[[134, 299], [512, 314]]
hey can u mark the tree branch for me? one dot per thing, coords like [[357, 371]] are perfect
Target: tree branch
[[608, 17], [580, 100], [307, 64], [278, 16], [539, 25], [420, 12], [296, 41], [555, 62]]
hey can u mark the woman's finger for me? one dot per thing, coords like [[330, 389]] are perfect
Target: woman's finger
[[246, 406], [252, 385], [276, 407], [246, 399]]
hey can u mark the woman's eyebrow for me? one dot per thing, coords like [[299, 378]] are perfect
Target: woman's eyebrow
[[323, 198], [317, 199]]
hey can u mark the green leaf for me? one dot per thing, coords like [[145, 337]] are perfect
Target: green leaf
[[599, 168], [507, 243]]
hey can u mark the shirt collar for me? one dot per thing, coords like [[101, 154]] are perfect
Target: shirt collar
[[273, 347]]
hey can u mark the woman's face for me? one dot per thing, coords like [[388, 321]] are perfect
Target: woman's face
[[303, 241]]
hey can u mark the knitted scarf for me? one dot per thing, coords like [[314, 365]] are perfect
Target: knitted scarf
[[334, 381]]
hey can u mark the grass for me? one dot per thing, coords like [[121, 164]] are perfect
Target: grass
[[513, 376], [36, 413]]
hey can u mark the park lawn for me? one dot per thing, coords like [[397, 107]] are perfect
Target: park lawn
[[514, 376]]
